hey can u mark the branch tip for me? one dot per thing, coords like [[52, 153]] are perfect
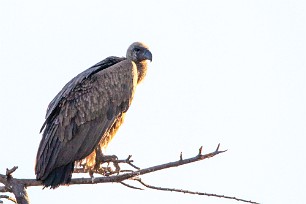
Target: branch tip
[[193, 192], [200, 150], [181, 156], [129, 157], [218, 147], [10, 171]]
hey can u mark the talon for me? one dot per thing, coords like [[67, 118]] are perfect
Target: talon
[[108, 158]]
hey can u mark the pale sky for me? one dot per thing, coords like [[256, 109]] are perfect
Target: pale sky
[[229, 72]]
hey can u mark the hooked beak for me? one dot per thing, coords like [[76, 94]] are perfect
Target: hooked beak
[[147, 55]]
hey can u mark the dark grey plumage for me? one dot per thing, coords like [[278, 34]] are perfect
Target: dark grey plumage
[[86, 113]]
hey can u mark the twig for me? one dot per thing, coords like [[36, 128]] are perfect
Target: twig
[[130, 186], [10, 171], [192, 192], [200, 150], [128, 161]]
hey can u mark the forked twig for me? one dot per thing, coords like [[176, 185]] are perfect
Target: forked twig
[[10, 171]]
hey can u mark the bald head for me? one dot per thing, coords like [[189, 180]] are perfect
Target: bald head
[[138, 52]]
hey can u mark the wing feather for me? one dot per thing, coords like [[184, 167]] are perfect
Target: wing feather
[[73, 83]]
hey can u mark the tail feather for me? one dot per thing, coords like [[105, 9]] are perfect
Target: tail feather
[[59, 176]]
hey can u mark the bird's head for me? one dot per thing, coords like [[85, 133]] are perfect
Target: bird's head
[[138, 52]]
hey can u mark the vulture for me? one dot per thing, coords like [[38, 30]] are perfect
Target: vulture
[[86, 114]]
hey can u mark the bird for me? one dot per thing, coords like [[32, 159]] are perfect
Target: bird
[[87, 113]]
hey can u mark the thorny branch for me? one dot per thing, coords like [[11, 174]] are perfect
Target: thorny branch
[[18, 186]]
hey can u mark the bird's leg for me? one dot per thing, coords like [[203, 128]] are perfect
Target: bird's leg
[[101, 158]]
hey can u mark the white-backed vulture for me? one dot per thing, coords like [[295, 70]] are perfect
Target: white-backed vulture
[[86, 113]]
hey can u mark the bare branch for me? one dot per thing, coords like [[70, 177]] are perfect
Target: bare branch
[[192, 192], [18, 186], [129, 161], [10, 171], [130, 186], [121, 177], [15, 186]]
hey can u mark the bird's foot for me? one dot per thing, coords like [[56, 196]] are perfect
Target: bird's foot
[[106, 170], [106, 158]]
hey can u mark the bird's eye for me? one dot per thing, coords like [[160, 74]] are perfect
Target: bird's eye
[[137, 49]]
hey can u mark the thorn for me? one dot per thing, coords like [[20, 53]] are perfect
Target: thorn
[[181, 156], [200, 150]]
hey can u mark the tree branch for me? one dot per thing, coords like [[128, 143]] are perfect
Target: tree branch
[[18, 186], [130, 186], [193, 192], [14, 186]]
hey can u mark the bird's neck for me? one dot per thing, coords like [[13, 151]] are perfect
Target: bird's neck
[[142, 70]]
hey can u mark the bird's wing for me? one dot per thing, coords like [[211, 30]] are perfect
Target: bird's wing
[[84, 115], [62, 95]]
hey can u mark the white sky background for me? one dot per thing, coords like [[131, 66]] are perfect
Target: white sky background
[[229, 72]]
